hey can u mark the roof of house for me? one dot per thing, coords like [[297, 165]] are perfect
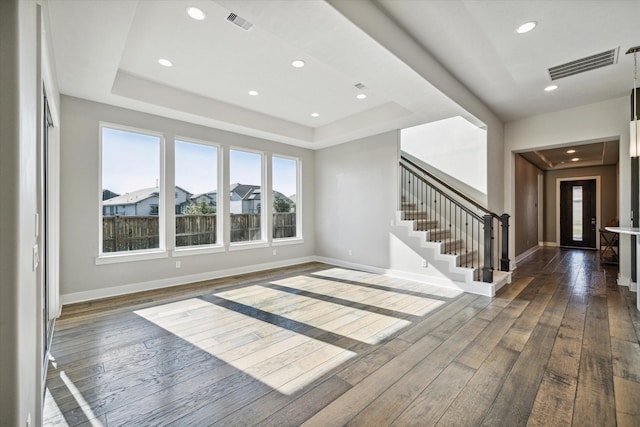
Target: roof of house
[[253, 192], [209, 195], [132, 197], [108, 194], [245, 191]]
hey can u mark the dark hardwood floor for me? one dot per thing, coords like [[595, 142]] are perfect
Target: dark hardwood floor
[[317, 345]]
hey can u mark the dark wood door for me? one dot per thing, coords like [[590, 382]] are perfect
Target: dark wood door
[[578, 213]]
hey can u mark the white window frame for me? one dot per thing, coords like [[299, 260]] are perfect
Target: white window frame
[[298, 237], [264, 201], [139, 255], [180, 251]]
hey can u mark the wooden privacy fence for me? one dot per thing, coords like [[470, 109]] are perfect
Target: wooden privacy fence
[[284, 225], [245, 227], [192, 230], [131, 233]]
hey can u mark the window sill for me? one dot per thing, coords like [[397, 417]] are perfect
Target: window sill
[[130, 257], [240, 246], [288, 241], [197, 250]]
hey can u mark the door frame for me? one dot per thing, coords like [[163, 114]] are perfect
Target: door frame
[[598, 209]]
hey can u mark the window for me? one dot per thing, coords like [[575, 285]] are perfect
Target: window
[[196, 169], [245, 195], [285, 197], [131, 193]]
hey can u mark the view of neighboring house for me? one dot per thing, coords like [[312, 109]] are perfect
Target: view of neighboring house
[[209, 199], [244, 198], [141, 202]]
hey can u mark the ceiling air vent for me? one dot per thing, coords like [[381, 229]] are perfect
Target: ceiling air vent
[[239, 21], [359, 86], [588, 63]]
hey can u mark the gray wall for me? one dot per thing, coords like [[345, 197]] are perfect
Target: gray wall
[[608, 195], [80, 195], [356, 197], [525, 219]]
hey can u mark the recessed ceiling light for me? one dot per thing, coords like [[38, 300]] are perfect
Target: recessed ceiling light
[[575, 159], [254, 93], [571, 151], [297, 63], [315, 115], [196, 13], [361, 96], [165, 62], [526, 27], [550, 88]]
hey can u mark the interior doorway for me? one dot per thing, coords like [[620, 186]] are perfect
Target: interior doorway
[[578, 217]]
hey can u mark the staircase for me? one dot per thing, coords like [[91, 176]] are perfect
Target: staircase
[[454, 237]]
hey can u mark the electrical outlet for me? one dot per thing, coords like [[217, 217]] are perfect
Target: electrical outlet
[[350, 253], [274, 252], [424, 263], [178, 264], [29, 419]]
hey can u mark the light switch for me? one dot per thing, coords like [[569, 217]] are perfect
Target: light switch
[[36, 257]]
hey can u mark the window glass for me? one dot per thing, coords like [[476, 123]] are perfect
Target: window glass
[[576, 223], [130, 190], [245, 195], [285, 197], [196, 193]]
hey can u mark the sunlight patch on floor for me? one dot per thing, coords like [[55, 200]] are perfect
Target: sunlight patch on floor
[[282, 359], [396, 301], [357, 324], [389, 281], [55, 416]]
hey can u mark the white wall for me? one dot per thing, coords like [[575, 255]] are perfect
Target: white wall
[[602, 121], [20, 291], [81, 278], [453, 146], [356, 197]]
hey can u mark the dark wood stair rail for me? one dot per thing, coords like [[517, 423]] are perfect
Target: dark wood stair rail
[[423, 187]]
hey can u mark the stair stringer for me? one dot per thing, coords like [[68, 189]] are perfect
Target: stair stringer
[[462, 278]]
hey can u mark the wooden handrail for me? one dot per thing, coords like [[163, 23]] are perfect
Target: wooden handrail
[[450, 188]]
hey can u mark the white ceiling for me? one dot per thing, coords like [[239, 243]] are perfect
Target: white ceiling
[[107, 51], [571, 156]]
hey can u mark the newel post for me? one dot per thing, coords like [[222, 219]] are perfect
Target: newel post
[[505, 264], [487, 270]]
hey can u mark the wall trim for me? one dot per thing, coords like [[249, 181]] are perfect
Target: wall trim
[[550, 244], [176, 281], [526, 253]]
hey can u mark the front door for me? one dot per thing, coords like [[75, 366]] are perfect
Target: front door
[[578, 213]]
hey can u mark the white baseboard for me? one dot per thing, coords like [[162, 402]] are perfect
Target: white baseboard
[[480, 288], [623, 280], [526, 253], [550, 244], [175, 281]]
